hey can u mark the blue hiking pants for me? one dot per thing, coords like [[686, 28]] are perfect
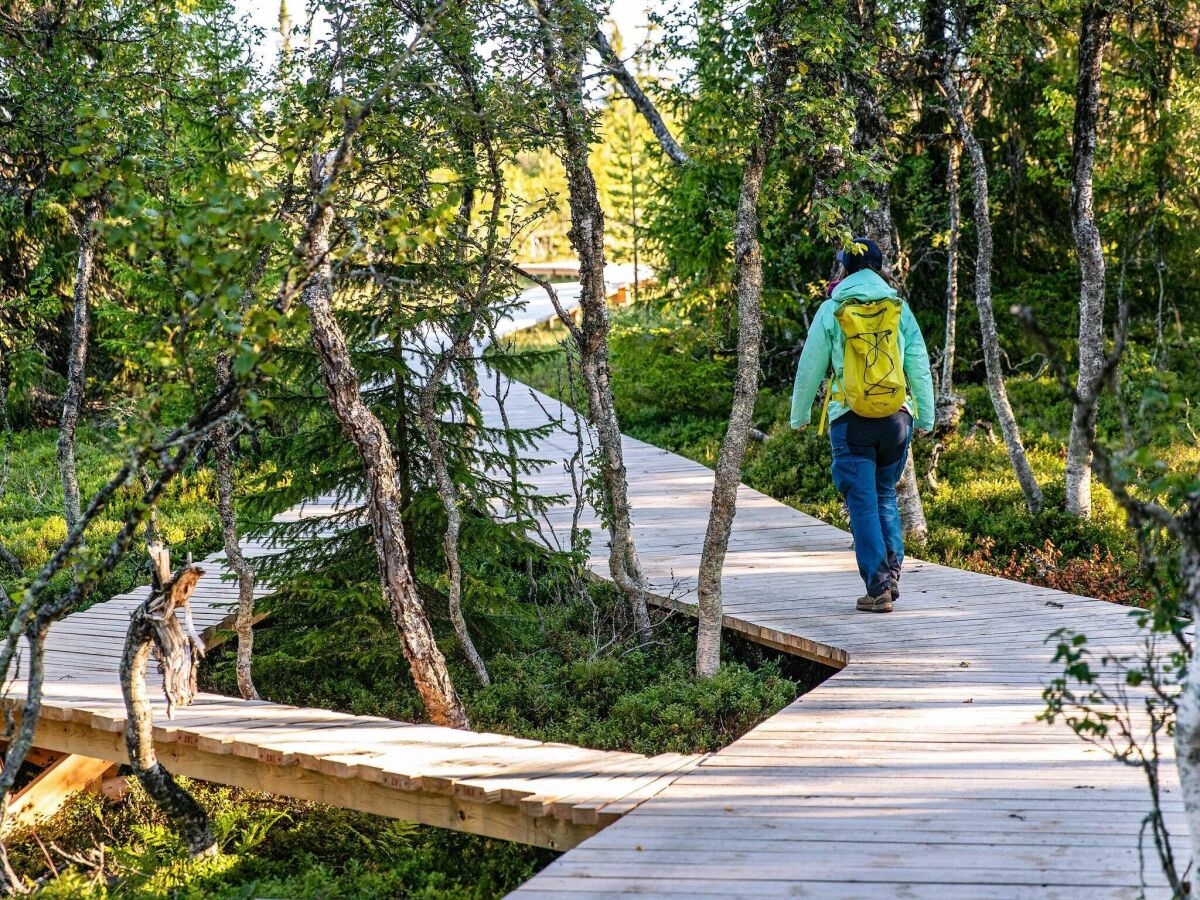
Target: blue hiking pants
[[868, 459]]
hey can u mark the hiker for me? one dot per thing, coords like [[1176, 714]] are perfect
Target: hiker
[[880, 384]]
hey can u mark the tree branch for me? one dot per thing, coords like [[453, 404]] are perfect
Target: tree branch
[[616, 67]]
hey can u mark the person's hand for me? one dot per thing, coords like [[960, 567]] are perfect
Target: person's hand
[[922, 432], [799, 427]]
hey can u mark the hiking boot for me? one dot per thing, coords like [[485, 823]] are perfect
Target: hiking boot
[[880, 604]]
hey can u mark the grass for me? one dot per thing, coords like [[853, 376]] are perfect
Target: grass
[[32, 525]]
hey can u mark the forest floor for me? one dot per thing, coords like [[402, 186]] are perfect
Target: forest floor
[[563, 668]]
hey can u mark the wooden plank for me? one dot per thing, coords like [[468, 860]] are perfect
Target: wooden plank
[[489, 819], [52, 788], [606, 813]]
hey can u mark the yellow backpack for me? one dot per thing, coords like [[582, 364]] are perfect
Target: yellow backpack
[[873, 382]]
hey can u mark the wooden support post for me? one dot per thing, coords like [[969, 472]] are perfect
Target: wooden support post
[[46, 794]]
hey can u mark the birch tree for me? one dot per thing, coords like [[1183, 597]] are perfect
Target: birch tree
[[565, 28], [478, 266], [780, 59], [983, 295], [950, 404], [1095, 25], [641, 101], [84, 222], [223, 452], [374, 448]]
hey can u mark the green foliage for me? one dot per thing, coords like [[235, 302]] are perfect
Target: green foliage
[[270, 847], [32, 526]]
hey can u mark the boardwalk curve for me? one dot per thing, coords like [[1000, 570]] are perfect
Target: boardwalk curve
[[919, 770]]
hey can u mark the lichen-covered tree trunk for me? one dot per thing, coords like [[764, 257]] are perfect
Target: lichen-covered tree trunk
[[563, 66], [749, 280], [1187, 711], [989, 339], [244, 621], [1093, 36], [374, 448], [84, 223], [949, 404], [155, 625]]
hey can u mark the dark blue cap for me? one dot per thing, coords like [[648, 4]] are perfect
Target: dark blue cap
[[866, 255]]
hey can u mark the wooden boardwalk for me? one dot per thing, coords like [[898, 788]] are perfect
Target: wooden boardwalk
[[546, 794], [919, 770]]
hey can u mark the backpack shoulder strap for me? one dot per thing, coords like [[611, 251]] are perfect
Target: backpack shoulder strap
[[825, 405]]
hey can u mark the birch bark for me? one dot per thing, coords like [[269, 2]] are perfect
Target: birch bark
[[374, 448], [781, 61], [84, 224], [949, 404], [983, 302], [1094, 30], [223, 450], [563, 66], [244, 622], [643, 103]]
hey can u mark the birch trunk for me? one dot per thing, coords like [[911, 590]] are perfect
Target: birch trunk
[[564, 74], [244, 622], [748, 268], [983, 302], [950, 404], [85, 266], [448, 492], [374, 448], [643, 104], [1187, 711], [1093, 35]]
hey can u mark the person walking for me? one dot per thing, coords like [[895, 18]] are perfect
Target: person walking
[[880, 389]]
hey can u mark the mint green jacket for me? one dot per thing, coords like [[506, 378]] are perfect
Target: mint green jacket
[[826, 344]]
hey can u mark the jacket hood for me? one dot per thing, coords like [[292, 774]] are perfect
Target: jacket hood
[[865, 285]]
